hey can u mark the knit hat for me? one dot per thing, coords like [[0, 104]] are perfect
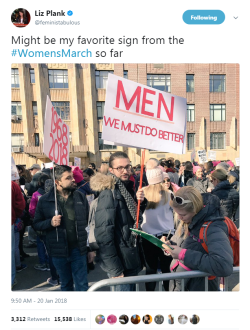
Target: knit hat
[[230, 163], [215, 163], [195, 168], [154, 175], [77, 174], [223, 165]]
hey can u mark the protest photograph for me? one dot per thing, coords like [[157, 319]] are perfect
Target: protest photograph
[[125, 177]]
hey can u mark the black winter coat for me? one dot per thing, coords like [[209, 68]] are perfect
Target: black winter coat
[[201, 185], [56, 237], [229, 197], [112, 233], [219, 260]]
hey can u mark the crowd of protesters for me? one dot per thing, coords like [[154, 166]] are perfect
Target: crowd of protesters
[[176, 199]]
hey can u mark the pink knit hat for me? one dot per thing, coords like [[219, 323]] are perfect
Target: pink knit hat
[[215, 163], [77, 174], [230, 163], [195, 168], [154, 175]]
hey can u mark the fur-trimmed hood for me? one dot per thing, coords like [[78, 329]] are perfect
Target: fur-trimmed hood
[[100, 182]]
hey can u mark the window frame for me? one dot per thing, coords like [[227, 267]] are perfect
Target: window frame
[[212, 135], [191, 87], [110, 147], [212, 81], [190, 112], [21, 140], [102, 104], [167, 78], [222, 112], [32, 74], [188, 141], [98, 82], [17, 103], [14, 75], [65, 104], [64, 75]]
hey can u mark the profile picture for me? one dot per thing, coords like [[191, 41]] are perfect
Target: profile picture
[[135, 319], [195, 319], [100, 319], [159, 319], [170, 319], [123, 319], [147, 319], [112, 319], [182, 319], [20, 17]]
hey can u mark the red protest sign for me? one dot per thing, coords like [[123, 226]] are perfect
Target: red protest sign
[[56, 136]]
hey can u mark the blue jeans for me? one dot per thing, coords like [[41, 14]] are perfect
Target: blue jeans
[[42, 253], [72, 270], [13, 264]]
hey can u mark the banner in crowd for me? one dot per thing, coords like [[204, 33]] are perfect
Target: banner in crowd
[[56, 136], [14, 171], [143, 117], [48, 165], [237, 161], [211, 154], [202, 156], [193, 155], [77, 162]]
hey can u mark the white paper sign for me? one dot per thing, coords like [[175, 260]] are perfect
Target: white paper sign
[[48, 165], [56, 136], [211, 155], [237, 161], [14, 171], [139, 116], [202, 156], [77, 162]]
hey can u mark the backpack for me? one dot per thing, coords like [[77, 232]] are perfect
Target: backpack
[[91, 223], [233, 236]]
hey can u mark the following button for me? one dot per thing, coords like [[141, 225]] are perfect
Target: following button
[[203, 17]]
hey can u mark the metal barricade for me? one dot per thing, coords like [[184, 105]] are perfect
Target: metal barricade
[[157, 278]]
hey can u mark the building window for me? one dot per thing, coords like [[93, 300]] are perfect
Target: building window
[[58, 79], [159, 81], [62, 109], [190, 82], [190, 112], [125, 74], [217, 140], [190, 141], [100, 109], [15, 78], [32, 76], [217, 112], [17, 142], [103, 146], [101, 78], [16, 109], [34, 108], [217, 83], [36, 139]]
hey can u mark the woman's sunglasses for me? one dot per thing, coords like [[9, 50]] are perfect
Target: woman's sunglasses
[[179, 200], [166, 180]]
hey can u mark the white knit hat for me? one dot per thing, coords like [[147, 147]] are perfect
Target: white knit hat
[[154, 175], [14, 175]]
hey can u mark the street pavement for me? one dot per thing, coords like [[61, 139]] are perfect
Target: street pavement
[[31, 279]]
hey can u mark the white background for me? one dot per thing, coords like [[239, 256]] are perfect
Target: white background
[[226, 43]]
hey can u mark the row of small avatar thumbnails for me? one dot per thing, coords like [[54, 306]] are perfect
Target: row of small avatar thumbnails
[[147, 319]]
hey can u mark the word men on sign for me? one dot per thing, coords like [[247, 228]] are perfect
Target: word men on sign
[[56, 136], [144, 117]]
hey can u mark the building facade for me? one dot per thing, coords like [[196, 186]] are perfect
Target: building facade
[[78, 92]]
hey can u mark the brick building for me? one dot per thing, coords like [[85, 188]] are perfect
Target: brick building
[[78, 94]]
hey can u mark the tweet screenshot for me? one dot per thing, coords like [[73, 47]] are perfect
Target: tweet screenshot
[[128, 129]]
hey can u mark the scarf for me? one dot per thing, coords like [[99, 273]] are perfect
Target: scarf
[[131, 205]]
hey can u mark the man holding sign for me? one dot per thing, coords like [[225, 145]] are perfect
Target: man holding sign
[[66, 236]]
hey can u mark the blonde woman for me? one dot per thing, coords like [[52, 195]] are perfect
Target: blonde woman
[[193, 210], [158, 221]]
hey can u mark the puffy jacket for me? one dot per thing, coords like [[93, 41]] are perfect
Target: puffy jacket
[[201, 185], [34, 200], [219, 260], [17, 202], [112, 223], [229, 197], [56, 237]]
